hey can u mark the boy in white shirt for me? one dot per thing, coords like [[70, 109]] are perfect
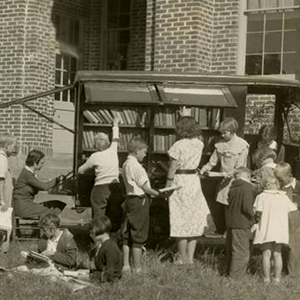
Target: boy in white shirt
[[137, 203]]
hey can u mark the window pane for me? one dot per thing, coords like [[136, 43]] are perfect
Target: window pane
[[57, 77], [73, 64], [124, 5], [123, 51], [72, 95], [274, 21], [124, 37], [254, 4], [290, 63], [57, 95], [253, 65], [57, 26], [255, 23], [273, 42], [272, 64], [291, 41], [112, 7], [65, 79], [254, 43], [66, 62], [291, 20], [58, 61], [65, 96], [290, 2], [112, 22], [124, 21], [273, 3]]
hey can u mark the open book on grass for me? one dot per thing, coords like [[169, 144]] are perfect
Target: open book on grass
[[170, 189], [36, 255]]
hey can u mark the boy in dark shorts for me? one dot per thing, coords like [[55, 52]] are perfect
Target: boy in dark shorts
[[137, 203]]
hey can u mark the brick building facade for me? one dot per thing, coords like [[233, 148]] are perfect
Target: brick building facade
[[43, 43]]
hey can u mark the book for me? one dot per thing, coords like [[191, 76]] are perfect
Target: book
[[215, 174], [36, 255], [170, 189]]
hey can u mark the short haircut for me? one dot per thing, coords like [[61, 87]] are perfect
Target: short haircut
[[187, 127], [229, 124], [50, 221], [284, 168], [267, 134], [100, 136], [7, 140], [34, 157], [100, 225], [263, 153], [270, 183], [135, 144], [242, 170]]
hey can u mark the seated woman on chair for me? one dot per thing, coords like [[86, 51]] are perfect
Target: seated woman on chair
[[27, 186]]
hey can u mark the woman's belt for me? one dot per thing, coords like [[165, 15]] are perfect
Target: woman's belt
[[187, 171]]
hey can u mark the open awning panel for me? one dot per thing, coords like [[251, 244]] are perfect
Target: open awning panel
[[146, 93], [115, 92], [213, 97]]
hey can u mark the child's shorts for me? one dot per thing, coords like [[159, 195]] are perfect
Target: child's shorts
[[137, 221]]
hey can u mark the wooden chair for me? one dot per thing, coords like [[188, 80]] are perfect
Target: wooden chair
[[25, 229]]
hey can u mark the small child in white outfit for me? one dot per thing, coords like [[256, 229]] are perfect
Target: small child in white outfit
[[271, 208]]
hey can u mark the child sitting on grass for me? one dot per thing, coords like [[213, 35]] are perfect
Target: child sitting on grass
[[137, 203], [59, 245], [239, 219], [108, 257], [272, 207]]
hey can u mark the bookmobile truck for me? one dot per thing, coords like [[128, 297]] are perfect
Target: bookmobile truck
[[148, 104]]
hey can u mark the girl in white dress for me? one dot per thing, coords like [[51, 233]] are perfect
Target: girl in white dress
[[272, 207], [189, 212]]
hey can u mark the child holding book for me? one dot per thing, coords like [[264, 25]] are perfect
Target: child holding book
[[108, 257], [137, 203], [7, 143], [57, 244], [239, 219], [272, 207], [231, 152]]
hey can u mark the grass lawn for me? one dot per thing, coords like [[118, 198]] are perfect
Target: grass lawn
[[159, 280]]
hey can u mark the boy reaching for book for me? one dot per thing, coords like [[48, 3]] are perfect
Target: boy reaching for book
[[108, 256], [57, 244]]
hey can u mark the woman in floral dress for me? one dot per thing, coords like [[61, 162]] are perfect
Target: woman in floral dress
[[188, 208]]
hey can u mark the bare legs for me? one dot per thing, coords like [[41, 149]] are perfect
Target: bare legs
[[268, 249], [136, 257], [186, 248]]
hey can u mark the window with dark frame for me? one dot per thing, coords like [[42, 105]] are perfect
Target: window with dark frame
[[273, 37], [66, 65], [117, 34]]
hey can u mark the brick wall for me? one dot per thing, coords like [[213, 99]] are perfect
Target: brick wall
[[173, 30], [225, 37], [27, 63], [136, 54]]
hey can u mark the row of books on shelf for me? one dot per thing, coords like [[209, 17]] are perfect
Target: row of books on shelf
[[89, 139], [127, 116], [206, 117], [163, 142]]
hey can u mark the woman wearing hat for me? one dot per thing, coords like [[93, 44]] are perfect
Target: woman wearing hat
[[106, 195]]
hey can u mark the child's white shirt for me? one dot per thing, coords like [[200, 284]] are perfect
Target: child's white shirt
[[273, 225]]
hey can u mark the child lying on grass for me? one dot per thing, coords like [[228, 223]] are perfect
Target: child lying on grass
[[59, 245]]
